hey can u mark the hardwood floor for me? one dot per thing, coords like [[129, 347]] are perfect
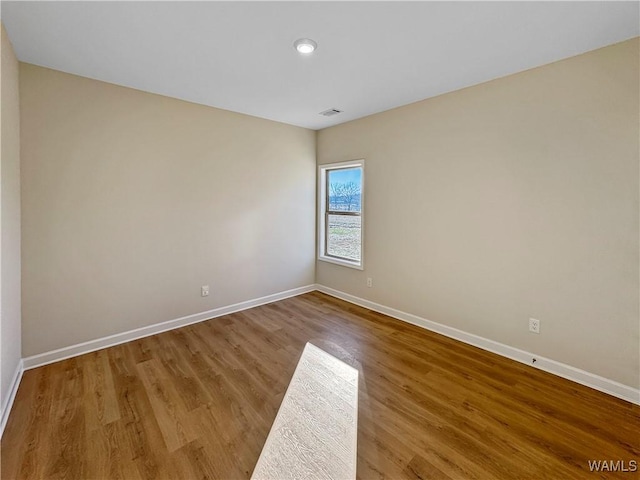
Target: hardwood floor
[[198, 402]]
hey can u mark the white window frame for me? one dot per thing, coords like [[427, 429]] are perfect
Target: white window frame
[[322, 214]]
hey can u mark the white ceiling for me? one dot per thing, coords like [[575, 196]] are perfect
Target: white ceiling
[[371, 56]]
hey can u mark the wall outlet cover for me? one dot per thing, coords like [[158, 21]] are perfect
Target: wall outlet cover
[[534, 325]]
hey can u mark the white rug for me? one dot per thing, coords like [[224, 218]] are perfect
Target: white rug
[[314, 434]]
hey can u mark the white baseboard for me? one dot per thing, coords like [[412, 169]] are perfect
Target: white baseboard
[[112, 340], [596, 382], [8, 403]]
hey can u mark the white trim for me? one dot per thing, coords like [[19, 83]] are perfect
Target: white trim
[[596, 382], [339, 261], [582, 377], [320, 230], [118, 338], [6, 408]]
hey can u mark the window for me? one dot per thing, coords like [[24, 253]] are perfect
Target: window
[[340, 202]]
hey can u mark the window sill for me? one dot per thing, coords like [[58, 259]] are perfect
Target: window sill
[[339, 261]]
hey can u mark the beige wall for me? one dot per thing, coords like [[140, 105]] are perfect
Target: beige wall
[[9, 218], [512, 199], [133, 201]]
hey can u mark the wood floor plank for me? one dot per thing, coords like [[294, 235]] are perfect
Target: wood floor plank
[[143, 444], [66, 443], [420, 469], [167, 404], [198, 402], [109, 459], [101, 404]]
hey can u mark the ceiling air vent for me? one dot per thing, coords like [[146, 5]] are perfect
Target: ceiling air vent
[[331, 112]]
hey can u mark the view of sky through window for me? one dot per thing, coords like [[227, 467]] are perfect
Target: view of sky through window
[[345, 189]]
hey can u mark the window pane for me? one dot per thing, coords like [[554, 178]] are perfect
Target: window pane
[[344, 186], [343, 236]]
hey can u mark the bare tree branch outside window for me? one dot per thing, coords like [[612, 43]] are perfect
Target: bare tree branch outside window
[[344, 196]]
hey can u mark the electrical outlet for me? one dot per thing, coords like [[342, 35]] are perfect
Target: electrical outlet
[[369, 282], [204, 291], [534, 325]]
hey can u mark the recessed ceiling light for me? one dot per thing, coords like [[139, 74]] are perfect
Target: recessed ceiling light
[[305, 46]]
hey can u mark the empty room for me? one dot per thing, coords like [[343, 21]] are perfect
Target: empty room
[[332, 240]]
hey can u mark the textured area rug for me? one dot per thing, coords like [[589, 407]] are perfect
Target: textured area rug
[[314, 434]]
